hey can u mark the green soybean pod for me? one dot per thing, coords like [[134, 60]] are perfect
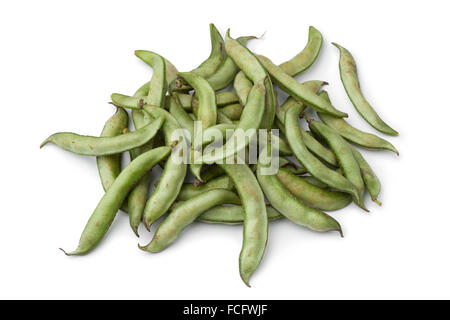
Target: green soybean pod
[[288, 205], [349, 77], [109, 166], [174, 172], [186, 213], [356, 136], [249, 64], [371, 181], [190, 190], [313, 165], [312, 195], [232, 215], [105, 212], [103, 146], [304, 59], [255, 218], [344, 155], [298, 90]]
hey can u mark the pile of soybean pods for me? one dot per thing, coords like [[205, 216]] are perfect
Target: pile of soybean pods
[[329, 175]]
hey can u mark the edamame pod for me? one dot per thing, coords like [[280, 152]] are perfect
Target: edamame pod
[[255, 218], [312, 195], [103, 146], [356, 136], [313, 165], [344, 155], [306, 57], [109, 166], [289, 206], [186, 213], [106, 210], [298, 90], [349, 77]]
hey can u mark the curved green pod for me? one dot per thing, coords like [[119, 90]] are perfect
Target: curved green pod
[[242, 85], [313, 85], [173, 175], [225, 98], [103, 146], [255, 218], [171, 75], [304, 59], [206, 113], [371, 181], [211, 172], [226, 72], [349, 77], [250, 65], [156, 96], [318, 149], [138, 195], [180, 114], [232, 111], [289, 206], [158, 83], [186, 213], [217, 55], [298, 90], [313, 165], [356, 136], [190, 190], [344, 155], [223, 119], [312, 195], [221, 129], [250, 120], [232, 215], [105, 212], [109, 166]]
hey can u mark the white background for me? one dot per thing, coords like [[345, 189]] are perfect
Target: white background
[[60, 61]]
